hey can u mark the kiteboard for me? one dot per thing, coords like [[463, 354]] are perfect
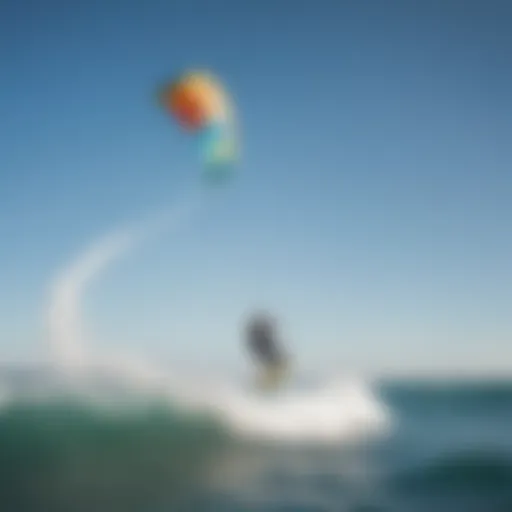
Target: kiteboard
[[273, 378]]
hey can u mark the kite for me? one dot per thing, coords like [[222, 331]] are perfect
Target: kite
[[202, 107]]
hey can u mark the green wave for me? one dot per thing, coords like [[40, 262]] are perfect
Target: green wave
[[64, 456]]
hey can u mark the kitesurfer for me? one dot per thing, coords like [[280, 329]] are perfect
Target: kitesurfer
[[265, 348]]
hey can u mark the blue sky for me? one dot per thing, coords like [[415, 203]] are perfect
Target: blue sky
[[372, 209]]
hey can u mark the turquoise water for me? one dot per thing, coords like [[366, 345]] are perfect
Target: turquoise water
[[451, 450]]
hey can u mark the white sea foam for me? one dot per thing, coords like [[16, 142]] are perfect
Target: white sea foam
[[334, 410]]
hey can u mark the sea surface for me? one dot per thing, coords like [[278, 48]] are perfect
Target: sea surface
[[448, 448]]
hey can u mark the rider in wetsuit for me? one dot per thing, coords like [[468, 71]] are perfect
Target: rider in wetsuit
[[265, 348]]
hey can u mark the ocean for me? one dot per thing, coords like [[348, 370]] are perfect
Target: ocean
[[443, 447]]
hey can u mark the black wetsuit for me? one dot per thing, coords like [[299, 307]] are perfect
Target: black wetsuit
[[263, 343]]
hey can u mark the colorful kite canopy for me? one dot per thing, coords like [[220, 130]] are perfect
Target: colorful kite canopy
[[202, 107]]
